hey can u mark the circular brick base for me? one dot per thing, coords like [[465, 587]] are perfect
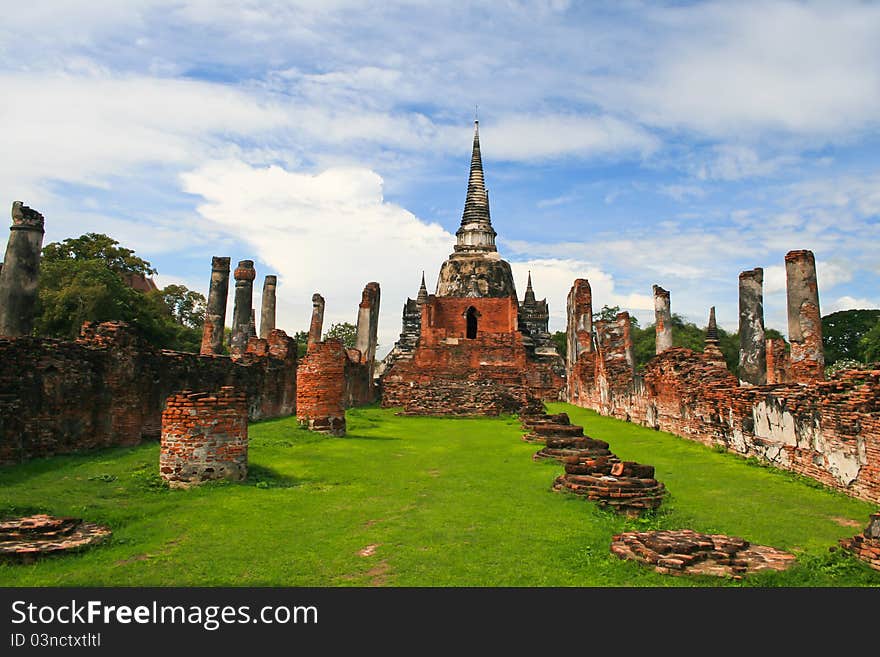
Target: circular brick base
[[686, 552], [25, 539]]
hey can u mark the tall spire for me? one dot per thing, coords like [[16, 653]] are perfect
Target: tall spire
[[423, 291], [476, 233], [476, 205], [530, 293]]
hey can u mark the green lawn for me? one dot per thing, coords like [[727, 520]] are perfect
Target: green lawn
[[442, 502]]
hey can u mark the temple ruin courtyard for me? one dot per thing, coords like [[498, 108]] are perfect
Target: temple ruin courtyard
[[418, 501]]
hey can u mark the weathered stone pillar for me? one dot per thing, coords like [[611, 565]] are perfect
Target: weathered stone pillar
[[267, 310], [712, 346], [626, 330], [317, 324], [20, 271], [241, 313], [368, 325], [804, 318], [663, 320], [215, 311], [579, 330], [752, 343]]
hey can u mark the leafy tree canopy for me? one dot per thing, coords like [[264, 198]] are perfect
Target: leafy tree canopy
[[344, 331], [842, 334], [870, 344], [96, 246], [84, 279]]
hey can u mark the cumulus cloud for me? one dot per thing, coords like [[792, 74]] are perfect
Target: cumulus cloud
[[847, 302], [732, 68], [329, 232], [85, 128]]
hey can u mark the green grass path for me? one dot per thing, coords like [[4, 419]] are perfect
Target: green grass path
[[410, 501]]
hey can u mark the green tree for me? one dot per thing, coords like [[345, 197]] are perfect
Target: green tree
[[870, 345], [187, 307], [843, 331], [607, 313], [96, 246], [560, 339], [302, 340], [84, 279], [344, 331]]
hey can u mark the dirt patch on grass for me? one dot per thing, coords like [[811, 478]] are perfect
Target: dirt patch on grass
[[379, 574], [368, 551], [846, 522], [137, 557], [434, 473]]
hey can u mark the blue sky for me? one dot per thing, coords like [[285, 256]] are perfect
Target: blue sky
[[629, 143]]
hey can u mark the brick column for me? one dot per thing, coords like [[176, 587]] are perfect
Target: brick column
[[204, 437], [267, 309], [663, 320], [777, 361], [579, 330], [215, 311], [368, 326], [320, 387], [804, 318], [20, 271], [752, 343], [241, 313], [317, 324]]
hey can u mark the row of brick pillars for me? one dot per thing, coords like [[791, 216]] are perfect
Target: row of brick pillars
[[243, 314]]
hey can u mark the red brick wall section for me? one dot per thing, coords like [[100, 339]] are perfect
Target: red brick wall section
[[777, 361], [488, 375], [109, 388], [827, 430], [204, 437], [444, 317]]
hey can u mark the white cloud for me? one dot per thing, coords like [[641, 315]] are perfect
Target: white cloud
[[735, 162], [748, 67], [524, 137], [82, 129], [553, 277], [682, 192], [847, 302], [330, 232]]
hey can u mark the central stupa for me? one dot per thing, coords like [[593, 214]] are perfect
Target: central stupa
[[475, 269]]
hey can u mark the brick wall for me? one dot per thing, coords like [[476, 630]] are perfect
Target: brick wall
[[487, 375], [827, 430], [108, 388], [204, 437]]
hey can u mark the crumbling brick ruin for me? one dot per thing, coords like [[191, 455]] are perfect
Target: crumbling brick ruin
[[866, 546], [23, 540], [686, 552], [330, 377], [472, 348], [591, 469], [109, 387], [827, 430], [204, 437]]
